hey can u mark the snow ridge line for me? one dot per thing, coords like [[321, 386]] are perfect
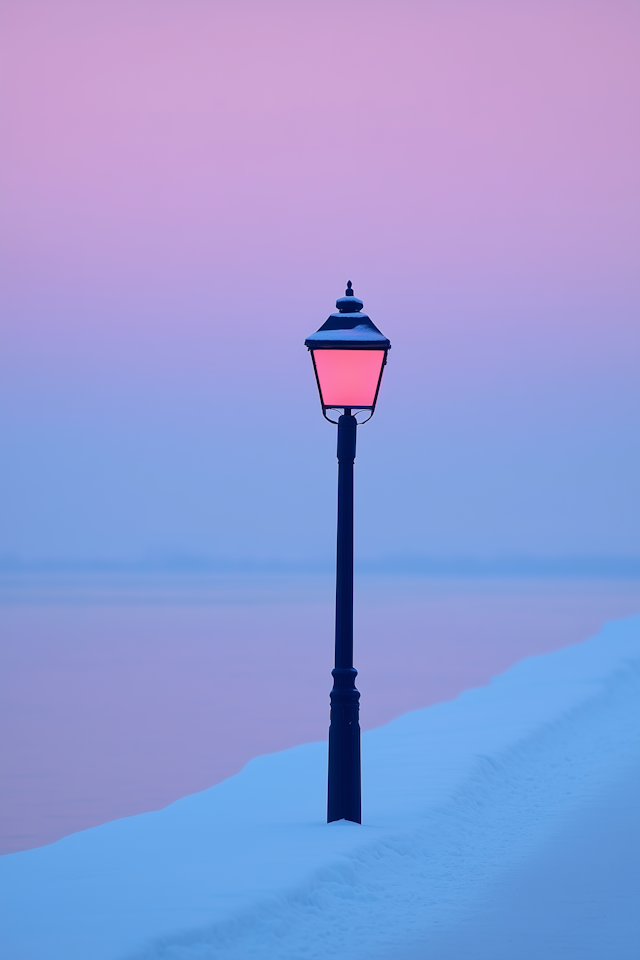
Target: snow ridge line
[[436, 870]]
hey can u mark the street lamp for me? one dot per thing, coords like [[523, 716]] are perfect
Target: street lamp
[[349, 354]]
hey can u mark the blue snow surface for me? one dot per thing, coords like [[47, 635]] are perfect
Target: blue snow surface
[[506, 815]]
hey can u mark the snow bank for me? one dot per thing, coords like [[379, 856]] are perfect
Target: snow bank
[[455, 796]]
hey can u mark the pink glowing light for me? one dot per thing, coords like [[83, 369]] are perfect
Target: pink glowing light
[[349, 378]]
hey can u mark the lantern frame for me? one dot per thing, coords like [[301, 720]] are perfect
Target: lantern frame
[[330, 406]]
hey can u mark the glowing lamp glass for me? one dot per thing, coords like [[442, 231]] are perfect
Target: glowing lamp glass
[[348, 378]]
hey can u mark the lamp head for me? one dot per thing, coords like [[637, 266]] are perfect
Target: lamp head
[[349, 354]]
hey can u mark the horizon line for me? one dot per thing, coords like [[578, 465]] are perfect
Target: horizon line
[[592, 565]]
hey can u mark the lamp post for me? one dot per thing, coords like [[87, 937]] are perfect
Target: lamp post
[[349, 354]]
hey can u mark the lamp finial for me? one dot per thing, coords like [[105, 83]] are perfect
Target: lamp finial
[[349, 303]]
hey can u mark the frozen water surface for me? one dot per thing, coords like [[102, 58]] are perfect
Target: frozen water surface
[[121, 693]]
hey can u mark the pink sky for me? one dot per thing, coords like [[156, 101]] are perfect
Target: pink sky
[[188, 186]]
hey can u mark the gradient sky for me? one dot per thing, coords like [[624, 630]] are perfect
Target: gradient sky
[[186, 188]]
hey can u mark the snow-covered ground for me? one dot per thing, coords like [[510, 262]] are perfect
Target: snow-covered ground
[[501, 825]]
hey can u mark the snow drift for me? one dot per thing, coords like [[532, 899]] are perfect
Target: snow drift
[[455, 798]]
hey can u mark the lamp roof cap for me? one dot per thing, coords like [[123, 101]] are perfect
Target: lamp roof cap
[[349, 303]]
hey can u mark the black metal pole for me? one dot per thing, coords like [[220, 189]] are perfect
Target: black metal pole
[[344, 732]]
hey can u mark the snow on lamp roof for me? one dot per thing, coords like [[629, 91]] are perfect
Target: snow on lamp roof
[[348, 329]]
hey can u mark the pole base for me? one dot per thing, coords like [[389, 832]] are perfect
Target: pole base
[[344, 798]]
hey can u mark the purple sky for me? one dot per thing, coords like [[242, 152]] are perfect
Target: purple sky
[[186, 188]]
